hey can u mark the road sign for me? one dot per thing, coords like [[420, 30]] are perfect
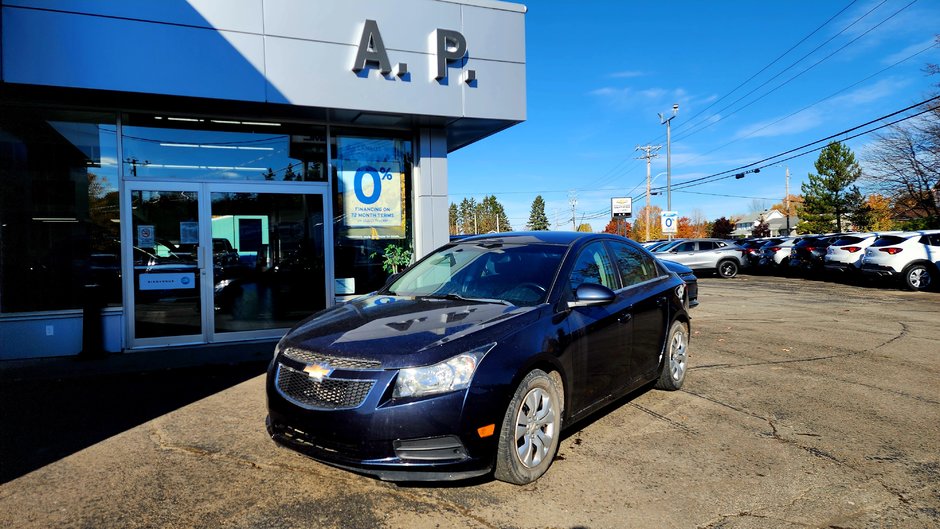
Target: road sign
[[621, 208], [670, 220]]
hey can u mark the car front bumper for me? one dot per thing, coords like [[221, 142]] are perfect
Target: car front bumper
[[433, 438]]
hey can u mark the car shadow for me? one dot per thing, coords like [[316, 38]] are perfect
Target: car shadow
[[47, 419]]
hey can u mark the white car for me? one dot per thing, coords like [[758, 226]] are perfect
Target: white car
[[844, 255], [776, 254], [911, 255]]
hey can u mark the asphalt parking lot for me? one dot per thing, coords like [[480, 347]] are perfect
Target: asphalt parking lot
[[808, 404]]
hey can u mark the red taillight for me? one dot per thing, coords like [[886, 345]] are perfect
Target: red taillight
[[851, 249], [776, 248], [810, 248], [891, 251]]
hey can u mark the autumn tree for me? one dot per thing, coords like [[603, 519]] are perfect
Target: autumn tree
[[618, 227], [538, 221], [639, 232], [700, 225], [830, 195], [585, 227], [876, 214], [722, 228], [684, 228]]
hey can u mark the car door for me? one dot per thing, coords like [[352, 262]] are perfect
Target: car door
[[599, 335], [646, 294], [684, 253]]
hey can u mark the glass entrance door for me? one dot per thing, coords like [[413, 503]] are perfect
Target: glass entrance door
[[223, 262]]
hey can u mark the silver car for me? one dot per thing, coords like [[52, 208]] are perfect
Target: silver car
[[719, 255]]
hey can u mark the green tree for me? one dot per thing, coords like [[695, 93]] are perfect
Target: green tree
[[466, 216], [538, 221], [453, 218], [491, 217], [830, 196], [722, 228]]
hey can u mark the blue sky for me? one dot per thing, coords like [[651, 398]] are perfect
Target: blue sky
[[599, 72]]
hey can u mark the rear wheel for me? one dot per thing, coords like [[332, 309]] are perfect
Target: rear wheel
[[918, 276], [727, 268], [675, 358], [530, 432]]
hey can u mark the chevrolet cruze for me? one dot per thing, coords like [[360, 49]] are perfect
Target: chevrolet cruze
[[476, 358]]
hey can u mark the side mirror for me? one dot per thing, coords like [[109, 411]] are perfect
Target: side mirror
[[591, 294], [391, 279]]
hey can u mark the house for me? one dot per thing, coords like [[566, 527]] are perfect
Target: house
[[776, 221]]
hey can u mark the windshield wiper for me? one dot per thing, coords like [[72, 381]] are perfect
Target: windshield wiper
[[458, 297]]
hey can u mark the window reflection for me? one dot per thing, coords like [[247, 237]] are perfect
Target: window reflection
[[59, 221], [208, 149]]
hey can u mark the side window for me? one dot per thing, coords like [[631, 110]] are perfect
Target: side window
[[593, 266], [634, 265], [686, 247], [707, 245]]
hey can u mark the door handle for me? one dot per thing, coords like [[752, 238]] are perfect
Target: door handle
[[660, 301], [625, 317]]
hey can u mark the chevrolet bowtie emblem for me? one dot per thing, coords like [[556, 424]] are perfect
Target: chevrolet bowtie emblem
[[318, 371]]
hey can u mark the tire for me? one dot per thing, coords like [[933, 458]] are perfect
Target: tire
[[919, 276], [528, 439], [727, 268], [675, 358]]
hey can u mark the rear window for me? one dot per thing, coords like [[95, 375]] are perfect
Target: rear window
[[889, 240], [842, 241]]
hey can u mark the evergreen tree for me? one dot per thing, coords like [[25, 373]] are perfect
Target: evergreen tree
[[452, 221], [466, 215], [491, 217], [829, 196], [538, 221]]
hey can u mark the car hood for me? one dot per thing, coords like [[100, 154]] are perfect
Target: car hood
[[401, 331]]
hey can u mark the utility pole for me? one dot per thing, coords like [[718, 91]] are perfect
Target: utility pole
[[649, 157], [573, 200], [787, 199], [668, 122]]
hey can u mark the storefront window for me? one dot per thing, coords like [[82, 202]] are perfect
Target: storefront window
[[371, 207], [59, 215], [169, 147]]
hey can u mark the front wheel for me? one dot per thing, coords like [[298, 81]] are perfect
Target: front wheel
[[675, 358], [727, 269], [530, 432], [918, 277]]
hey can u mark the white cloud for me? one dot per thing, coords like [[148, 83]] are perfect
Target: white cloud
[[908, 51], [627, 74]]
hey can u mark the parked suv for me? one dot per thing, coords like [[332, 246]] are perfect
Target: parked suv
[[844, 255], [912, 256], [724, 257], [808, 253], [776, 253]]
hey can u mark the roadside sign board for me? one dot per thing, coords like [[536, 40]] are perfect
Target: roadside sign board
[[621, 207], [670, 220]]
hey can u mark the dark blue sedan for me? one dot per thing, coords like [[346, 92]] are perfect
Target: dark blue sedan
[[475, 358]]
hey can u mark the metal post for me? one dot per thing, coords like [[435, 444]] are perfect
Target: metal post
[[787, 199], [668, 123]]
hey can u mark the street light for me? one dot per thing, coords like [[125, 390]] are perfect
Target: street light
[[648, 183], [667, 122]]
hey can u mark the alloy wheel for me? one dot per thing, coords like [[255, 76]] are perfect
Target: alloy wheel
[[677, 356], [535, 427]]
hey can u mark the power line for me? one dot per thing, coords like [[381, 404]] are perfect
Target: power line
[[756, 166]]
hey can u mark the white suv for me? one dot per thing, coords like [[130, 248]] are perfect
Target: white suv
[[845, 254], [912, 255]]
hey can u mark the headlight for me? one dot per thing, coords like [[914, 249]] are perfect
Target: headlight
[[450, 375]]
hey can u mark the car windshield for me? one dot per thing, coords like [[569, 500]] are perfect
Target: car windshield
[[512, 273]]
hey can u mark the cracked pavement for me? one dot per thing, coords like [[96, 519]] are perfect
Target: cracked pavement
[[807, 404]]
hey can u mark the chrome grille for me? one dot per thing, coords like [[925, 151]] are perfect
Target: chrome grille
[[328, 393], [308, 357]]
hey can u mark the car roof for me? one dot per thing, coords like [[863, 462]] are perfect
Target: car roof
[[543, 237]]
